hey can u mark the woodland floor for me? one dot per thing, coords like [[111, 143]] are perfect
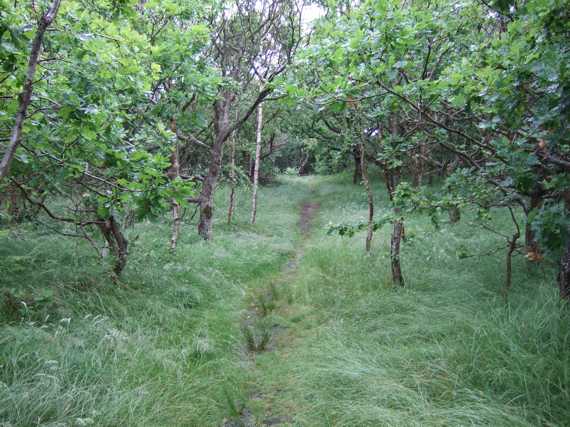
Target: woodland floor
[[282, 324]]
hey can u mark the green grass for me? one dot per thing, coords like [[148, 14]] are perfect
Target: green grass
[[166, 347], [445, 351], [161, 348]]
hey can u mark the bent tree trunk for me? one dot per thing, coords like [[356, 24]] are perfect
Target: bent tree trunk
[[258, 129], [366, 181], [26, 95], [116, 242]]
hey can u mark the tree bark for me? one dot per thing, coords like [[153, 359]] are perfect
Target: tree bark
[[454, 214], [370, 197], [258, 130], [531, 245], [26, 95], [564, 273], [304, 166], [116, 242], [221, 130], [509, 260], [398, 231], [418, 169], [564, 267], [357, 176], [173, 173], [395, 242], [232, 202]]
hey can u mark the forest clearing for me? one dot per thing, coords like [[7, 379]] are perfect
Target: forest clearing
[[239, 213]]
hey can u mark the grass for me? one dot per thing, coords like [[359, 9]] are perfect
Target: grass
[[445, 351], [161, 348], [341, 346]]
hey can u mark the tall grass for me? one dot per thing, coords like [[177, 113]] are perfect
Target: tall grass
[[166, 346], [445, 351], [163, 347]]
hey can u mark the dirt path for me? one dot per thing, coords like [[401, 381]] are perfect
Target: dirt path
[[261, 335], [308, 213]]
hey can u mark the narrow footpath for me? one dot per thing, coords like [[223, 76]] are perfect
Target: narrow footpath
[[263, 334]]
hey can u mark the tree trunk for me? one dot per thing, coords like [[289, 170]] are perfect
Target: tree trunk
[[304, 166], [357, 175], [564, 268], [173, 173], [221, 129], [397, 233], [509, 261], [454, 214], [26, 95], [258, 130], [207, 194], [366, 181], [176, 220], [564, 273], [531, 245], [418, 168], [232, 202], [116, 242]]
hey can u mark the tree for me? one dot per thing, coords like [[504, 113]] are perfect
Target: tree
[[253, 42]]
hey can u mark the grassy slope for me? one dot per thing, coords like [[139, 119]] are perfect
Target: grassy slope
[[166, 348]]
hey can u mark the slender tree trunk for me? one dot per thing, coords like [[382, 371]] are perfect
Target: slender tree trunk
[[176, 220], [395, 242], [258, 130], [232, 202], [357, 176], [392, 181], [173, 173], [531, 245], [564, 268], [303, 167], [564, 273], [367, 186], [398, 231], [418, 172], [26, 95], [509, 261]]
